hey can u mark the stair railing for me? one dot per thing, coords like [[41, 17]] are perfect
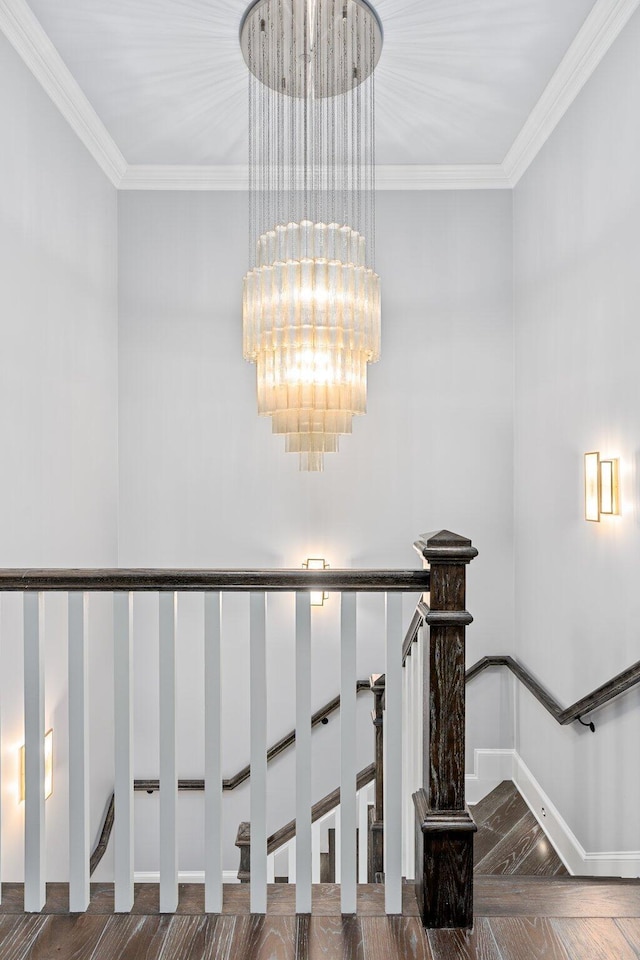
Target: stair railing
[[444, 834]]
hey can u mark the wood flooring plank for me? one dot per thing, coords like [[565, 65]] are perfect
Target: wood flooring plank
[[334, 938], [488, 805], [593, 939], [499, 896], [515, 846], [193, 937], [476, 944], [505, 814], [394, 938], [527, 938], [542, 861], [631, 931], [302, 937], [483, 843], [128, 937], [17, 933], [264, 938], [70, 937]]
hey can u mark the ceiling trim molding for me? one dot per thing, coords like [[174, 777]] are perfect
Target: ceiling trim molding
[[601, 28], [388, 177], [25, 33]]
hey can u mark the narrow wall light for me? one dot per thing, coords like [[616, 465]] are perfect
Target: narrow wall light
[[601, 487], [609, 487], [592, 487], [48, 767], [318, 597]]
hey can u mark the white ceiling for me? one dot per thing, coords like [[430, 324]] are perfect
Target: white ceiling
[[456, 81]]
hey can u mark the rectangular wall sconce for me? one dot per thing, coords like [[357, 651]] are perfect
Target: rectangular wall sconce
[[601, 487], [316, 563], [609, 487], [592, 487], [48, 767]]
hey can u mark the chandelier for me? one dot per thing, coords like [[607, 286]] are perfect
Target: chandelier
[[311, 297]]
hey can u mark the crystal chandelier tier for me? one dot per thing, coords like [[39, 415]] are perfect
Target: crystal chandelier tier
[[311, 298]]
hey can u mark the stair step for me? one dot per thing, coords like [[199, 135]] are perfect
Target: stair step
[[509, 839]]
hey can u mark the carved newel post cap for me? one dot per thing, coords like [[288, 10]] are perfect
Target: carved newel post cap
[[447, 546]]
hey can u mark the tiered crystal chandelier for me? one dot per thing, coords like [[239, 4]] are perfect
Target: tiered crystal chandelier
[[311, 299]]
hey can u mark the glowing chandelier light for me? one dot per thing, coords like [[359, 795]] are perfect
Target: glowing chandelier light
[[311, 298]]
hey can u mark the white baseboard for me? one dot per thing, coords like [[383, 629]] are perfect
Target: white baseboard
[[493, 766], [184, 876]]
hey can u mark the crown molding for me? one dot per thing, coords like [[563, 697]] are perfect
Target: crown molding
[[27, 36], [185, 177], [593, 40], [597, 34], [388, 177]]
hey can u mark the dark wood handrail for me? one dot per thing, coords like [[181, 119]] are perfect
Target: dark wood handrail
[[406, 581], [151, 786], [597, 698]]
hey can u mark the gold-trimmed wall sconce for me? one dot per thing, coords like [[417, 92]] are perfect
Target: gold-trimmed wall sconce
[[48, 767], [318, 597], [601, 487]]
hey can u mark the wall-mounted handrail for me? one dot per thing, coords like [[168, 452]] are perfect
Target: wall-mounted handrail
[[152, 786], [592, 701], [160, 580]]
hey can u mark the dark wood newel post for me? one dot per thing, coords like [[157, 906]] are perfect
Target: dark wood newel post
[[444, 827], [376, 844]]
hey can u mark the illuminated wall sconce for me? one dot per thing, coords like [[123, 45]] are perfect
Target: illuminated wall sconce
[[316, 563], [48, 767], [601, 487]]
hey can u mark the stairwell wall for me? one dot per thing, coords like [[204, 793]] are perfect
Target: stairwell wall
[[577, 343], [204, 483], [58, 423]]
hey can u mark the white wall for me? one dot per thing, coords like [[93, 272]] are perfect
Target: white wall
[[58, 415], [204, 483], [577, 301]]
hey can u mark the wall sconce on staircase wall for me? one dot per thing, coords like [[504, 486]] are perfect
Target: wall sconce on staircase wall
[[601, 487], [316, 563]]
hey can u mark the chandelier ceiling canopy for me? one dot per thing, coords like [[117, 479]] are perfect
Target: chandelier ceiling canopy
[[311, 299]]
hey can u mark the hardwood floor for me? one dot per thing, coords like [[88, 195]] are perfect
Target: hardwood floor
[[286, 937], [527, 908]]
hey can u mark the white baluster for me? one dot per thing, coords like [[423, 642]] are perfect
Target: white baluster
[[0, 756], [291, 869], [363, 835], [258, 752], [418, 723], [271, 868], [123, 687], [337, 844], [213, 754], [348, 758], [79, 839], [393, 756], [302, 867], [316, 840], [168, 773], [406, 757], [34, 824]]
